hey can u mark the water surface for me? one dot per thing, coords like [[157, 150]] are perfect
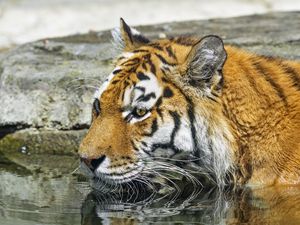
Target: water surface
[[27, 198]]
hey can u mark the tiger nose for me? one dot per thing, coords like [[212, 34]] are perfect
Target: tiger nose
[[93, 164]]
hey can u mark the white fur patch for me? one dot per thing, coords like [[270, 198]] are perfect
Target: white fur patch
[[162, 135], [103, 167], [151, 86], [133, 95], [105, 84], [127, 96], [134, 31], [183, 139], [127, 55], [118, 40], [214, 148]]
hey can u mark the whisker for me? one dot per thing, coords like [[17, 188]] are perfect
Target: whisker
[[75, 170], [74, 88], [193, 159], [177, 188], [197, 186]]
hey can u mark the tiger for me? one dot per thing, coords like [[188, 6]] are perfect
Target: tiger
[[236, 112]]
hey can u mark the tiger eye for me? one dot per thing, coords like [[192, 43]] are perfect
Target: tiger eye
[[141, 112]]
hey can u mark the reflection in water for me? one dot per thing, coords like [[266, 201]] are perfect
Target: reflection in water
[[246, 206], [115, 208], [40, 199], [37, 199]]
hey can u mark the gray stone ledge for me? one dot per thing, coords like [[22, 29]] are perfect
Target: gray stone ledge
[[47, 85]]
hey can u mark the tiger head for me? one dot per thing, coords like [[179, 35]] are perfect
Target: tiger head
[[161, 99]]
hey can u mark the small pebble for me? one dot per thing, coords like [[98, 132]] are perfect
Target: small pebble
[[24, 150]]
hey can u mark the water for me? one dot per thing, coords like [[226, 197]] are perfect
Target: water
[[27, 198]]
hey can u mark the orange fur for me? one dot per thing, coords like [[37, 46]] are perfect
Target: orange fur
[[266, 125], [259, 102]]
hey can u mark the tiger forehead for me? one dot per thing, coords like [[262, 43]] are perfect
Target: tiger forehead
[[153, 59], [133, 66], [168, 52], [164, 47]]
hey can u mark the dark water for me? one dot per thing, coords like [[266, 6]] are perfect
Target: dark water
[[37, 199]]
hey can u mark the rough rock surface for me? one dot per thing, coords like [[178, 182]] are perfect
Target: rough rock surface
[[49, 84]]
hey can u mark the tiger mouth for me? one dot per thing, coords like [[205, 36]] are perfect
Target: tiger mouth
[[112, 177], [118, 178]]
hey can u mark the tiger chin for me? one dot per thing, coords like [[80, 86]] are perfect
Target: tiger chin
[[234, 114]]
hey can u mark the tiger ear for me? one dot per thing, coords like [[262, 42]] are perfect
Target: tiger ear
[[205, 62], [127, 38]]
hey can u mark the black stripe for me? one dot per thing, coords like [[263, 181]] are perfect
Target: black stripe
[[147, 59], [123, 96], [126, 157], [211, 98], [140, 50], [163, 60], [170, 52], [134, 146], [140, 38], [291, 72], [144, 143], [156, 46], [164, 80], [142, 76], [154, 128], [158, 102], [145, 98], [164, 146], [293, 75], [148, 153], [142, 89], [170, 145], [184, 41], [168, 93], [144, 65], [96, 106], [268, 78], [158, 109], [117, 71], [177, 123], [250, 78], [131, 70], [163, 71], [192, 120], [115, 81], [131, 62], [159, 112], [152, 67], [128, 117], [127, 30]]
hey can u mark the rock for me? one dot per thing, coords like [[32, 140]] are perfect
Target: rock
[[48, 84], [52, 142], [42, 150]]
